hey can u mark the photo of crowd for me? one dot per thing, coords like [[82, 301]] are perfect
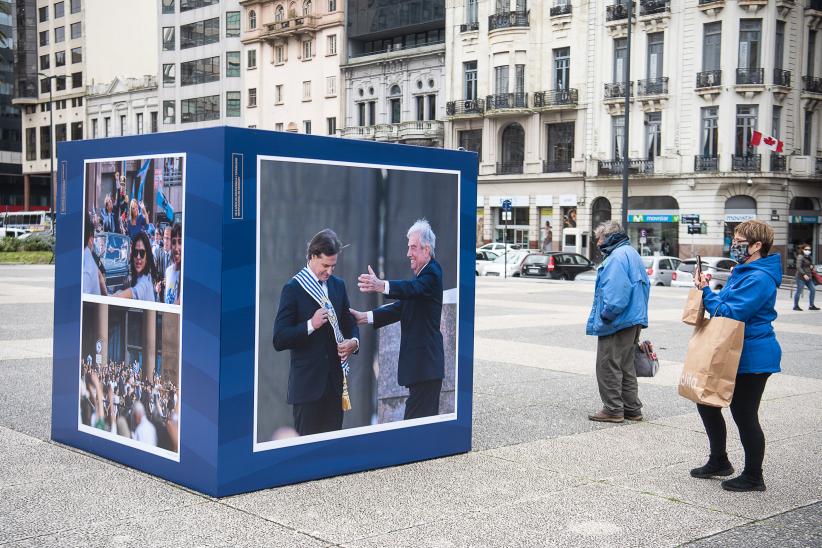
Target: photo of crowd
[[129, 375], [133, 230], [357, 299]]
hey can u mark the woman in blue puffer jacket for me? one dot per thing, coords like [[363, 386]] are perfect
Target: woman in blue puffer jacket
[[749, 297]]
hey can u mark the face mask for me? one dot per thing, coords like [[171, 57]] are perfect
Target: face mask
[[807, 252], [739, 252]]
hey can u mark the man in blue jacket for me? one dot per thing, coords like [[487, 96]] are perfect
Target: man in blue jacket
[[418, 308], [619, 312]]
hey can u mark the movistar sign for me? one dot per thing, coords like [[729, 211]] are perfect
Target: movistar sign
[[650, 218]]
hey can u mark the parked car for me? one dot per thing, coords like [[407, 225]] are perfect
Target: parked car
[[484, 256], [558, 265], [114, 251], [497, 267], [716, 269], [498, 247], [661, 268]]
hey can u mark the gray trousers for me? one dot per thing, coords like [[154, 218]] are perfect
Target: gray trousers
[[616, 374]]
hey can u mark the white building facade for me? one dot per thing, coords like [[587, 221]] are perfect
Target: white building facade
[[291, 63], [200, 70], [125, 106], [539, 90]]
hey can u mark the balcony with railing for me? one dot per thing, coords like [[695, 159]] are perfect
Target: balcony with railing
[[636, 166], [782, 78], [616, 90], [469, 27], [706, 163], [496, 104], [291, 26], [468, 107], [708, 79], [746, 162], [750, 76], [418, 131], [561, 8], [779, 163], [616, 12], [358, 132], [509, 168], [811, 84], [510, 19], [711, 7], [555, 99], [654, 7], [653, 86], [556, 166]]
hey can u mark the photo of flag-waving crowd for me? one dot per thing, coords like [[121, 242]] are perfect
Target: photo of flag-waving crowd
[[132, 290]]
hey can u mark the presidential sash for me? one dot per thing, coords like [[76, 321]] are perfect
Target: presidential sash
[[311, 286]]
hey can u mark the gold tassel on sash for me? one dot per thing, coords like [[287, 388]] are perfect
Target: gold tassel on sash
[[346, 400]]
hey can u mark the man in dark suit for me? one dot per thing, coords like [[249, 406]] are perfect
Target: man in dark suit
[[421, 365], [315, 379]]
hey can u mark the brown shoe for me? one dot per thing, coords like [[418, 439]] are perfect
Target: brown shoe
[[602, 416], [635, 418]]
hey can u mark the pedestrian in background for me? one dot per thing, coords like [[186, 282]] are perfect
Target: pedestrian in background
[[748, 297], [804, 278], [619, 313], [548, 241]]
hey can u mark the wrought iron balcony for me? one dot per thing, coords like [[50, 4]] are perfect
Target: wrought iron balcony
[[635, 165], [506, 100], [708, 79], [469, 106], [779, 163], [812, 84], [703, 2], [556, 166], [656, 86], [782, 78], [747, 162], [508, 19], [750, 76], [615, 12], [509, 168], [467, 27], [651, 7], [556, 97], [706, 163], [561, 8], [615, 90]]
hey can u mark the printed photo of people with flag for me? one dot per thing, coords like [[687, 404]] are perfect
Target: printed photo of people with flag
[[133, 233]]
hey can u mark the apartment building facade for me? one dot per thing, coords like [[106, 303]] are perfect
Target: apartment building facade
[[124, 106], [539, 91], [291, 55], [199, 73], [394, 71]]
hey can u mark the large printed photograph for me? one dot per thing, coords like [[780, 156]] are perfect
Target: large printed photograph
[[133, 236], [357, 299]]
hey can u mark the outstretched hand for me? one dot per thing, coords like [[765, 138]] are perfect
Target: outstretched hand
[[370, 283], [361, 317]]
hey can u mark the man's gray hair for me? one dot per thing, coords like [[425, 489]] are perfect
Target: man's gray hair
[[427, 237], [607, 228]]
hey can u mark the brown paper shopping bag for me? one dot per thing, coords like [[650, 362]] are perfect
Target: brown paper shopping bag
[[709, 374], [694, 311]]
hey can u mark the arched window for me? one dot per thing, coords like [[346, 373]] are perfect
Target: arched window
[[279, 13], [252, 20], [292, 10], [395, 103], [307, 7], [513, 149]]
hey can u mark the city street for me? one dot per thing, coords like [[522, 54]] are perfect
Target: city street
[[540, 473]]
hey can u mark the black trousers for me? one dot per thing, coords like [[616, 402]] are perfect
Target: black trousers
[[745, 411], [322, 415], [423, 400]]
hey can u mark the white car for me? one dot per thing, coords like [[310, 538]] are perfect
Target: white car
[[716, 269], [498, 247], [498, 267]]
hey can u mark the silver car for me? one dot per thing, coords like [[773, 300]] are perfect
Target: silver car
[[661, 269], [716, 269]]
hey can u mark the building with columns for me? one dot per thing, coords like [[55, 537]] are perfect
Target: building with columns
[[538, 90], [124, 106]]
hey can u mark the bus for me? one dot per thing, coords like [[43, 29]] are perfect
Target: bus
[[15, 224]]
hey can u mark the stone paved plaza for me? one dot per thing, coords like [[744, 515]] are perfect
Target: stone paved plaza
[[540, 473]]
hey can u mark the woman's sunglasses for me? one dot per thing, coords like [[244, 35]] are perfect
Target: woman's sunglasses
[[140, 253]]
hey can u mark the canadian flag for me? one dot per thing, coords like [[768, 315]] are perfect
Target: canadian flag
[[771, 142]]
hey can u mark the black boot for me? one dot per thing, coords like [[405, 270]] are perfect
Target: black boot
[[744, 482], [718, 465]]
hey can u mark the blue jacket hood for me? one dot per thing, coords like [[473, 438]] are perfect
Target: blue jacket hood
[[771, 265]]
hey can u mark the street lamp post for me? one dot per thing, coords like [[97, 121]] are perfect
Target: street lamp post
[[626, 128], [52, 150]]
